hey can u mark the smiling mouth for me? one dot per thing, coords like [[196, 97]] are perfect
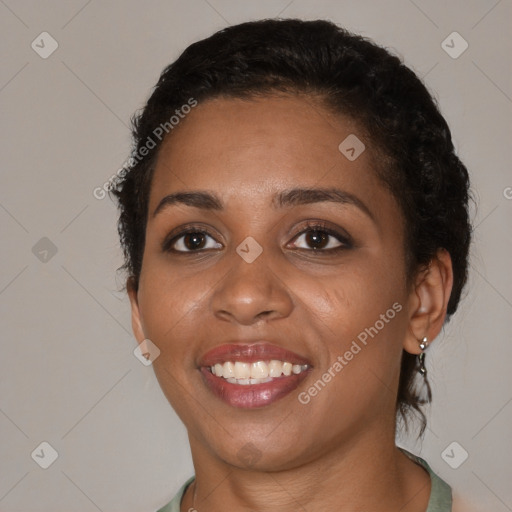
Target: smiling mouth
[[258, 372], [252, 375], [252, 393]]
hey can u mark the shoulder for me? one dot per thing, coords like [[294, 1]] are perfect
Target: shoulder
[[440, 493], [174, 504], [462, 504]]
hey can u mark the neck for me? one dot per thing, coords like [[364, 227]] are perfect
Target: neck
[[366, 472]]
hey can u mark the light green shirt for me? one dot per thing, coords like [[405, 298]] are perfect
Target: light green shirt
[[440, 493]]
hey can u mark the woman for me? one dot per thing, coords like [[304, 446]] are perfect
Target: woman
[[295, 227]]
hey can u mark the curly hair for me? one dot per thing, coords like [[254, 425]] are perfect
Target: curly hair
[[352, 76]]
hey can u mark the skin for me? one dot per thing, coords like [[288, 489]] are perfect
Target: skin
[[339, 448]]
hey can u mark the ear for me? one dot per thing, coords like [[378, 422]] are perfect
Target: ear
[[428, 301], [137, 328]]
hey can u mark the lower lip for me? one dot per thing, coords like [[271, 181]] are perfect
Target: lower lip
[[252, 395]]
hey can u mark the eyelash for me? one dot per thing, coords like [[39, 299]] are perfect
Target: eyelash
[[346, 242]]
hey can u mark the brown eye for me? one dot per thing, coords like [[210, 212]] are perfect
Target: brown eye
[[322, 239], [317, 239], [191, 241], [194, 241]]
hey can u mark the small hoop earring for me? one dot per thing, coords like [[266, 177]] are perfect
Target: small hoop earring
[[421, 357]]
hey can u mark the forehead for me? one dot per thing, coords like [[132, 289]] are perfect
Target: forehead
[[252, 148]]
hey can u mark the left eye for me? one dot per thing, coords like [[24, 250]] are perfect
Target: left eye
[[321, 239]]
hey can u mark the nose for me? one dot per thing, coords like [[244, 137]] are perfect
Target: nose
[[251, 292]]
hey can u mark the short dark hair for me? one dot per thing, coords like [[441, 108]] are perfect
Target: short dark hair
[[352, 76]]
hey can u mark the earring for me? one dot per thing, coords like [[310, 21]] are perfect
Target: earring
[[421, 357], [425, 395]]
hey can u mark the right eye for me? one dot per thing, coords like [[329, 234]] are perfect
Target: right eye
[[190, 240]]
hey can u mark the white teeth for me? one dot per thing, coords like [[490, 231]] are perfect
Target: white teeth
[[257, 372], [246, 382], [228, 370], [242, 370], [275, 368], [296, 369]]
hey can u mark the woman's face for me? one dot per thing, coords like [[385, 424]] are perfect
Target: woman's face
[[256, 284]]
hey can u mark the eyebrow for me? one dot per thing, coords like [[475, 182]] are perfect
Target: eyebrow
[[205, 200]]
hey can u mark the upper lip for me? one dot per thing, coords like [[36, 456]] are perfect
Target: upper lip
[[250, 353]]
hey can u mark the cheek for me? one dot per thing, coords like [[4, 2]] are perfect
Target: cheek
[[168, 305], [355, 297], [361, 361], [363, 309]]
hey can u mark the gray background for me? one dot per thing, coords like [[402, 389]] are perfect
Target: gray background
[[68, 374]]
